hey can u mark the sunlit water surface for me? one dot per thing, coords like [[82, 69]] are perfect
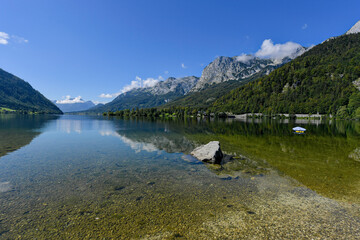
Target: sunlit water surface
[[85, 177]]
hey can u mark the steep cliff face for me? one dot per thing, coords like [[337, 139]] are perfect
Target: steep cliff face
[[238, 68], [180, 86]]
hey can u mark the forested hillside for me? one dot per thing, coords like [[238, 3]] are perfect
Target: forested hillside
[[207, 96], [16, 94], [136, 98], [321, 80]]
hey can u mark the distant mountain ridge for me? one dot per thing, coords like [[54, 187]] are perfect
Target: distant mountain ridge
[[218, 78], [74, 107], [16, 94], [161, 93]]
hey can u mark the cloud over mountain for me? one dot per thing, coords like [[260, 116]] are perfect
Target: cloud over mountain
[[244, 58], [137, 83], [279, 51], [68, 100]]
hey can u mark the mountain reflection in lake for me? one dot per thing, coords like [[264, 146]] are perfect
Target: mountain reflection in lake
[[17, 131], [91, 177]]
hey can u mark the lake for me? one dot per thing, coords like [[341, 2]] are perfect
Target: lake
[[84, 177]]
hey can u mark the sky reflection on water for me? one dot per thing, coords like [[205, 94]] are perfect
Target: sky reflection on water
[[75, 175]]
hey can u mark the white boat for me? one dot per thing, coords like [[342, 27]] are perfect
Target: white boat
[[299, 130]]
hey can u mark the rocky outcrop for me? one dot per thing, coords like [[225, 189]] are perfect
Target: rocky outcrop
[[224, 69], [210, 152], [177, 85]]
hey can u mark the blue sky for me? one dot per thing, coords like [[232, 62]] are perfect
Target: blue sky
[[88, 48]]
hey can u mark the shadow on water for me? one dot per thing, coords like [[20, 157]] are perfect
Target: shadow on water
[[18, 130]]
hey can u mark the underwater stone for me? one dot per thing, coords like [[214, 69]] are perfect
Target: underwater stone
[[5, 186], [210, 152]]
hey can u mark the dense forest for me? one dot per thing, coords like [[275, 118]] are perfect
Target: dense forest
[[16, 95], [321, 80], [179, 112]]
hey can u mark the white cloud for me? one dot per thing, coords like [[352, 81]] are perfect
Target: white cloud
[[166, 72], [107, 95], [68, 100], [134, 84], [304, 26], [183, 66], [279, 51], [98, 102], [150, 82], [4, 37], [137, 83], [245, 58], [137, 146]]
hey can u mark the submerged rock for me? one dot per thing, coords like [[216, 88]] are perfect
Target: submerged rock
[[355, 154], [4, 187], [210, 152], [190, 159]]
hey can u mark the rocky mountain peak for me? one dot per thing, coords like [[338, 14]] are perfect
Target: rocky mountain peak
[[354, 29], [241, 67], [181, 85], [223, 69]]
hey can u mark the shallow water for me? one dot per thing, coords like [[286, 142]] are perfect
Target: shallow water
[[92, 177]]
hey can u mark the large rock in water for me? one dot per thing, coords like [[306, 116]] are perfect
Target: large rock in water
[[210, 152]]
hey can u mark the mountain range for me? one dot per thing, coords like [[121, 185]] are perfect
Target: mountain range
[[225, 74], [322, 79], [74, 106], [160, 94], [218, 78]]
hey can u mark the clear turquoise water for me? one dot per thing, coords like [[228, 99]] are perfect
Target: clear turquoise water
[[86, 177]]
